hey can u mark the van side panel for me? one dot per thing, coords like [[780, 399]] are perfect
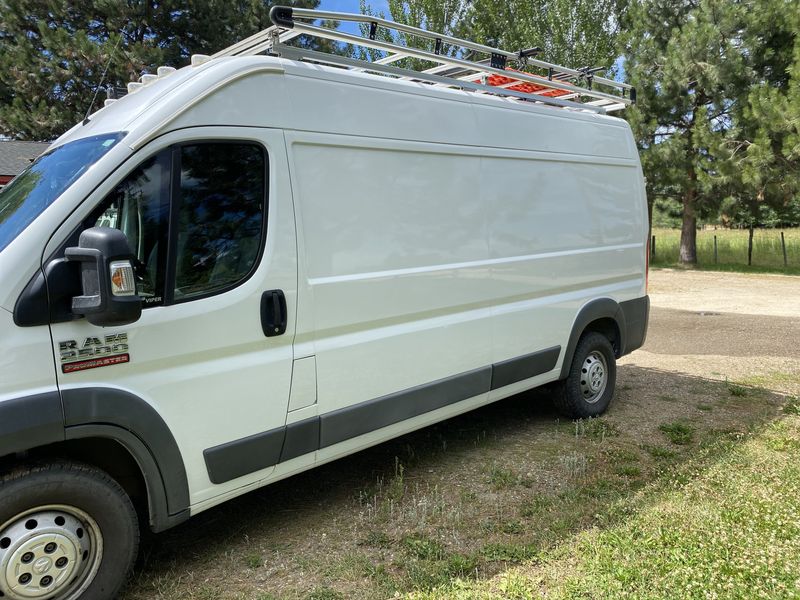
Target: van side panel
[[565, 231], [398, 299]]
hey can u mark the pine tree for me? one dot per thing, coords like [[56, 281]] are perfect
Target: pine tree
[[765, 158], [688, 63], [53, 52]]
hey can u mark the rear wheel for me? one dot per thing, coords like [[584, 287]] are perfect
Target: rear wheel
[[589, 386], [67, 532]]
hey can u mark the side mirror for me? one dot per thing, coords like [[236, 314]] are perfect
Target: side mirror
[[109, 286]]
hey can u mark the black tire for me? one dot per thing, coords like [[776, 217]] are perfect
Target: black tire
[[571, 397], [44, 494]]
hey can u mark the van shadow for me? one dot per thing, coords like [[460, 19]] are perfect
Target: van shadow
[[511, 475]]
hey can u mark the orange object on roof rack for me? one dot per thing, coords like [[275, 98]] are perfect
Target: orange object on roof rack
[[522, 86]]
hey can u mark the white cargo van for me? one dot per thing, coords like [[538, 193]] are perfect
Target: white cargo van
[[257, 264]]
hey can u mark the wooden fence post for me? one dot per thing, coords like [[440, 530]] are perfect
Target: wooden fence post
[[750, 247], [653, 248], [783, 246], [715, 249]]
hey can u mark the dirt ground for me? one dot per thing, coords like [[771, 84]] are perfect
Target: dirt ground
[[471, 496]]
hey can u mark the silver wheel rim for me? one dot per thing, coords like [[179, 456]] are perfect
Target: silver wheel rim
[[50, 552], [594, 376]]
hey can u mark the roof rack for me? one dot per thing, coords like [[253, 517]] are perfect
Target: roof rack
[[579, 89]]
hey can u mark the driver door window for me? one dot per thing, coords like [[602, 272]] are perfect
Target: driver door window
[[195, 219]]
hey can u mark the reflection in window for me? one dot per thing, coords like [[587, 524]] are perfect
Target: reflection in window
[[219, 229], [139, 207]]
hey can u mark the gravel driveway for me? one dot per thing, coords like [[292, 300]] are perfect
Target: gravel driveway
[[476, 494]]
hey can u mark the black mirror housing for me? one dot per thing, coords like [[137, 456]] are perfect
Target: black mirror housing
[[109, 296]]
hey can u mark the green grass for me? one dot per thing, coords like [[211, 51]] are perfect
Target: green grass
[[679, 434], [723, 525], [732, 250]]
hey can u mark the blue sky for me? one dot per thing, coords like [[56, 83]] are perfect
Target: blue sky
[[352, 6]]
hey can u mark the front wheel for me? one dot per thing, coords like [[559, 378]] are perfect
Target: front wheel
[[67, 532], [589, 386]]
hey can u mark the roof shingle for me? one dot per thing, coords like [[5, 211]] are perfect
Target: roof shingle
[[15, 155]]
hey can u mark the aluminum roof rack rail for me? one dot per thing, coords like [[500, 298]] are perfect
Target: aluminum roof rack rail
[[580, 89]]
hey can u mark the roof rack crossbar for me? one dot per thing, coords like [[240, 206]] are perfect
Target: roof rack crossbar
[[451, 70], [295, 53]]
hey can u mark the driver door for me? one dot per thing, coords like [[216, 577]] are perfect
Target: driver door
[[207, 213]]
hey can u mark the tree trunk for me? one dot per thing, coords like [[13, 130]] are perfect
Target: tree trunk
[[688, 254], [689, 229]]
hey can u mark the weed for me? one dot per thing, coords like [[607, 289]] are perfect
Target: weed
[[468, 496], [679, 434], [660, 452], [349, 566], [376, 539], [705, 407], [253, 561], [783, 444], [461, 565], [325, 594], [508, 552], [667, 398], [423, 548], [511, 527], [502, 478], [427, 575], [737, 390], [574, 464], [534, 506], [618, 454], [628, 471], [792, 406], [595, 429], [397, 487]]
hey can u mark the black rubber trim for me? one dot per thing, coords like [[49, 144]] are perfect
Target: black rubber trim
[[160, 519], [30, 421], [601, 308], [262, 450], [247, 455], [352, 421], [109, 406], [637, 315], [518, 369], [282, 16], [301, 438]]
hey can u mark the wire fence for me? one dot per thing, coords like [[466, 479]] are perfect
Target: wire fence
[[772, 249]]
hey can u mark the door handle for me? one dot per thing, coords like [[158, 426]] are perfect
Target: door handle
[[273, 313]]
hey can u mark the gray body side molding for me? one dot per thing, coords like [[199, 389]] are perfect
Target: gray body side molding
[[33, 421], [109, 406], [30, 421]]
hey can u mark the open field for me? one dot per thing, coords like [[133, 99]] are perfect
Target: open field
[[732, 249], [689, 485]]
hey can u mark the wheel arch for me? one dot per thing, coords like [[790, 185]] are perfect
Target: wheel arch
[[603, 315], [108, 428]]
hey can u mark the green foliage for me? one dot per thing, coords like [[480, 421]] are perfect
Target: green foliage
[[423, 548], [568, 32], [53, 54], [718, 111], [679, 434]]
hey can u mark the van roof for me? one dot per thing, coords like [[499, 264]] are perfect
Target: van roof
[[150, 109]]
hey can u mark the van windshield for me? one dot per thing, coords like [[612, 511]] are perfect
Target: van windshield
[[37, 187]]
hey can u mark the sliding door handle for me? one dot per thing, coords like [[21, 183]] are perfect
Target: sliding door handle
[[273, 313]]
